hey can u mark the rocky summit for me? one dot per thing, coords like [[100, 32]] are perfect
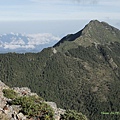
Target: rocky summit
[[81, 72], [13, 112]]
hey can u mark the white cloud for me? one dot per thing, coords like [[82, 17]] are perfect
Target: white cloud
[[17, 41], [12, 47], [78, 1], [86, 1], [31, 41], [35, 0], [37, 39], [1, 44]]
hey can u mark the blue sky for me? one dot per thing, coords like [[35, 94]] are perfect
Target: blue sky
[[24, 10], [58, 17], [46, 19]]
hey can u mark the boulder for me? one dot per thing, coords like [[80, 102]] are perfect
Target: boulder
[[20, 116]]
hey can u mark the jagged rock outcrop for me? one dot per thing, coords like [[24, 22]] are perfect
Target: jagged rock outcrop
[[2, 98], [57, 111], [24, 91], [8, 112], [11, 112]]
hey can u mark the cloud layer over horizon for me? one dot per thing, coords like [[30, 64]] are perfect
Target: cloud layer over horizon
[[14, 41]]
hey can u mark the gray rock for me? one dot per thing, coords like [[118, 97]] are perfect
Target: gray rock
[[20, 116]]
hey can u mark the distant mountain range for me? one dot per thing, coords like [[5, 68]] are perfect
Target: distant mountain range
[[81, 71], [21, 43]]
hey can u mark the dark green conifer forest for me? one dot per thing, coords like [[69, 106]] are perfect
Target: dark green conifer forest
[[82, 76]]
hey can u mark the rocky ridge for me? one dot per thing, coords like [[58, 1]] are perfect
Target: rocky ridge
[[95, 32], [11, 112]]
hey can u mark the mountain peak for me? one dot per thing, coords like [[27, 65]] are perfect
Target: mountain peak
[[100, 32], [94, 22], [94, 32]]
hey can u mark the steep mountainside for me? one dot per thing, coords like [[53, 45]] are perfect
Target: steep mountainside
[[81, 72], [95, 32]]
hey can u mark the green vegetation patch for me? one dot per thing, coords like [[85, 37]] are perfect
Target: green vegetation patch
[[73, 115], [9, 93], [34, 107]]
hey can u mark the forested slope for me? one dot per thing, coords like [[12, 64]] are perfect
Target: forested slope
[[76, 74]]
